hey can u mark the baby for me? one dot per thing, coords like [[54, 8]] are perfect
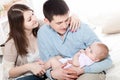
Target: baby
[[94, 53]]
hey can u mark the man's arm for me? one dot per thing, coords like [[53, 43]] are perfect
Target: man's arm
[[89, 38], [45, 49], [43, 43], [96, 67], [61, 73]]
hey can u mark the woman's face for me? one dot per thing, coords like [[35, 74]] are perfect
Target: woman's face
[[30, 20]]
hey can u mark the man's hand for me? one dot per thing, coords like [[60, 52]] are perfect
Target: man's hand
[[78, 70], [64, 74]]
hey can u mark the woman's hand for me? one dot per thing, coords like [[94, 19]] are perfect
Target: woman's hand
[[37, 68], [74, 23]]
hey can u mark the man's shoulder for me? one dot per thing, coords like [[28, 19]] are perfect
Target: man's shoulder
[[45, 31], [84, 27], [43, 28], [42, 31]]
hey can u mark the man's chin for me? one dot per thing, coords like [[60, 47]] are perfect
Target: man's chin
[[61, 34]]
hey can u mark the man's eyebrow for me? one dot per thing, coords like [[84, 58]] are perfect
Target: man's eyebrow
[[62, 21], [59, 22]]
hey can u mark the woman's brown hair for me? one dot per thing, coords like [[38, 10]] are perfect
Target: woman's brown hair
[[17, 32]]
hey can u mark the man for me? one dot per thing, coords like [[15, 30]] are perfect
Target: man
[[55, 38]]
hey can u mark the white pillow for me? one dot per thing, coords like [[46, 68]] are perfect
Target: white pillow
[[112, 24]]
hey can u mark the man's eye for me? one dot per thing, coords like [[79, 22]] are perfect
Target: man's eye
[[58, 23]]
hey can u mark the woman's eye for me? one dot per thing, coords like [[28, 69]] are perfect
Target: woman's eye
[[29, 19]]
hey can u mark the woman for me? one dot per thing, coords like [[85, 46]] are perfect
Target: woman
[[21, 50]]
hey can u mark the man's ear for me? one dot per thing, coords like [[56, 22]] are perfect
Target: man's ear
[[46, 21]]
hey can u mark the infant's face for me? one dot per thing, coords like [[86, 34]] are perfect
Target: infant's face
[[91, 52]]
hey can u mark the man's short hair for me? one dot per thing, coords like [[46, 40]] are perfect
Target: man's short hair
[[54, 7]]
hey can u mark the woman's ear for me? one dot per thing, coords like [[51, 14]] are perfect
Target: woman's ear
[[46, 21]]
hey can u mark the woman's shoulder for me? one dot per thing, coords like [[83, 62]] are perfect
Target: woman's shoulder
[[9, 42], [10, 51], [10, 45]]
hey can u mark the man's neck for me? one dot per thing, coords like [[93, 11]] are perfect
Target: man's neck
[[61, 35]]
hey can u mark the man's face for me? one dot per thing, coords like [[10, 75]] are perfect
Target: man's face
[[60, 23]]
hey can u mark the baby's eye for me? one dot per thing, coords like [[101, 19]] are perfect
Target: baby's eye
[[32, 13], [90, 49]]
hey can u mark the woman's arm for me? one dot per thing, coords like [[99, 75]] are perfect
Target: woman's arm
[[9, 60], [36, 68]]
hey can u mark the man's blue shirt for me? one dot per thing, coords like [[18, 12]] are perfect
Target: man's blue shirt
[[51, 44]]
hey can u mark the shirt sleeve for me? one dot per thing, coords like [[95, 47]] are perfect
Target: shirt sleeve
[[90, 37], [99, 66], [43, 48]]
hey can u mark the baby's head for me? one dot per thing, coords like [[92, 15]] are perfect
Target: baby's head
[[98, 51]]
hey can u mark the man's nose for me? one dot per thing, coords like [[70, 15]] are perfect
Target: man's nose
[[64, 24]]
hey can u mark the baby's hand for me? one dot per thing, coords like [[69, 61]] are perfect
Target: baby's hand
[[40, 61], [82, 51]]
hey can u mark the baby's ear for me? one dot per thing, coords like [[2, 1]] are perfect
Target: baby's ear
[[96, 60]]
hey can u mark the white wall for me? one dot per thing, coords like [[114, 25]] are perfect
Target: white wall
[[37, 5], [93, 9], [85, 9]]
